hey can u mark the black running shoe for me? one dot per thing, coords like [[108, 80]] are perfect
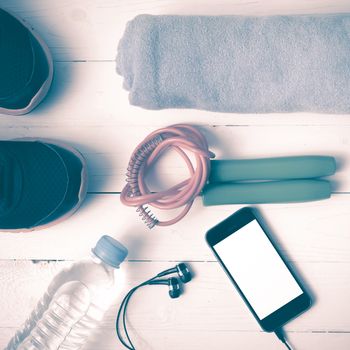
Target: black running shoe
[[26, 67], [41, 183]]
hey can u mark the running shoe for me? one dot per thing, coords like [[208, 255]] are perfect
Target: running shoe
[[41, 183], [26, 66]]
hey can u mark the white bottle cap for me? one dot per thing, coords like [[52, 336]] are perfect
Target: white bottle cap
[[110, 251]]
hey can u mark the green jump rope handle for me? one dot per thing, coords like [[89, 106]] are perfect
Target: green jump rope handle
[[266, 192], [284, 168]]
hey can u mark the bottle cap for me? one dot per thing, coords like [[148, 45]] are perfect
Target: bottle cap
[[110, 251]]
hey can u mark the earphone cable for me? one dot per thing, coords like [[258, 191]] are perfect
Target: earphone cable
[[281, 336], [124, 318], [122, 309], [289, 347], [121, 339]]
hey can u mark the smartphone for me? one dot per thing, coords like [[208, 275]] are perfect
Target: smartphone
[[269, 287]]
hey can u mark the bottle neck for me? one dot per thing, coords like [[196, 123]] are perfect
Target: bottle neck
[[99, 261]]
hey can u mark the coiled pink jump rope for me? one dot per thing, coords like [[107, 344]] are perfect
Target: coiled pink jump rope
[[181, 138]]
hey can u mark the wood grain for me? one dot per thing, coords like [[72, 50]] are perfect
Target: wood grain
[[89, 94], [167, 339], [88, 108], [108, 147], [316, 231], [209, 305], [78, 30]]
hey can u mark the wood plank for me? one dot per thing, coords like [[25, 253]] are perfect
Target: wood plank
[[80, 30], [209, 308], [90, 94], [198, 340], [107, 145], [316, 231], [88, 108]]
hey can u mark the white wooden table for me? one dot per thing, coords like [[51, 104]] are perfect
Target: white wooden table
[[88, 109]]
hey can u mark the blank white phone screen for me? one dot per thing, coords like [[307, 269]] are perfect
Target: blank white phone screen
[[258, 270]]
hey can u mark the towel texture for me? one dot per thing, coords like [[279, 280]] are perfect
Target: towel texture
[[238, 64]]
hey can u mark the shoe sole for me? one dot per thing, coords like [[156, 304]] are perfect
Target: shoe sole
[[82, 190], [39, 96]]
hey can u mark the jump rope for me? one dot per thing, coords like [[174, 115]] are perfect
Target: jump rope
[[248, 181], [268, 180], [181, 138]]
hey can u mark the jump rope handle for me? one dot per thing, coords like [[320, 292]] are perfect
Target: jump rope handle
[[274, 175], [280, 168], [287, 191]]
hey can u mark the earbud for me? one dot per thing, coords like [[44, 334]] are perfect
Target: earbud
[[174, 286], [173, 283], [181, 269]]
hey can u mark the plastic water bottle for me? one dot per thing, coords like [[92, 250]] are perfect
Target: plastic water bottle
[[74, 303]]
